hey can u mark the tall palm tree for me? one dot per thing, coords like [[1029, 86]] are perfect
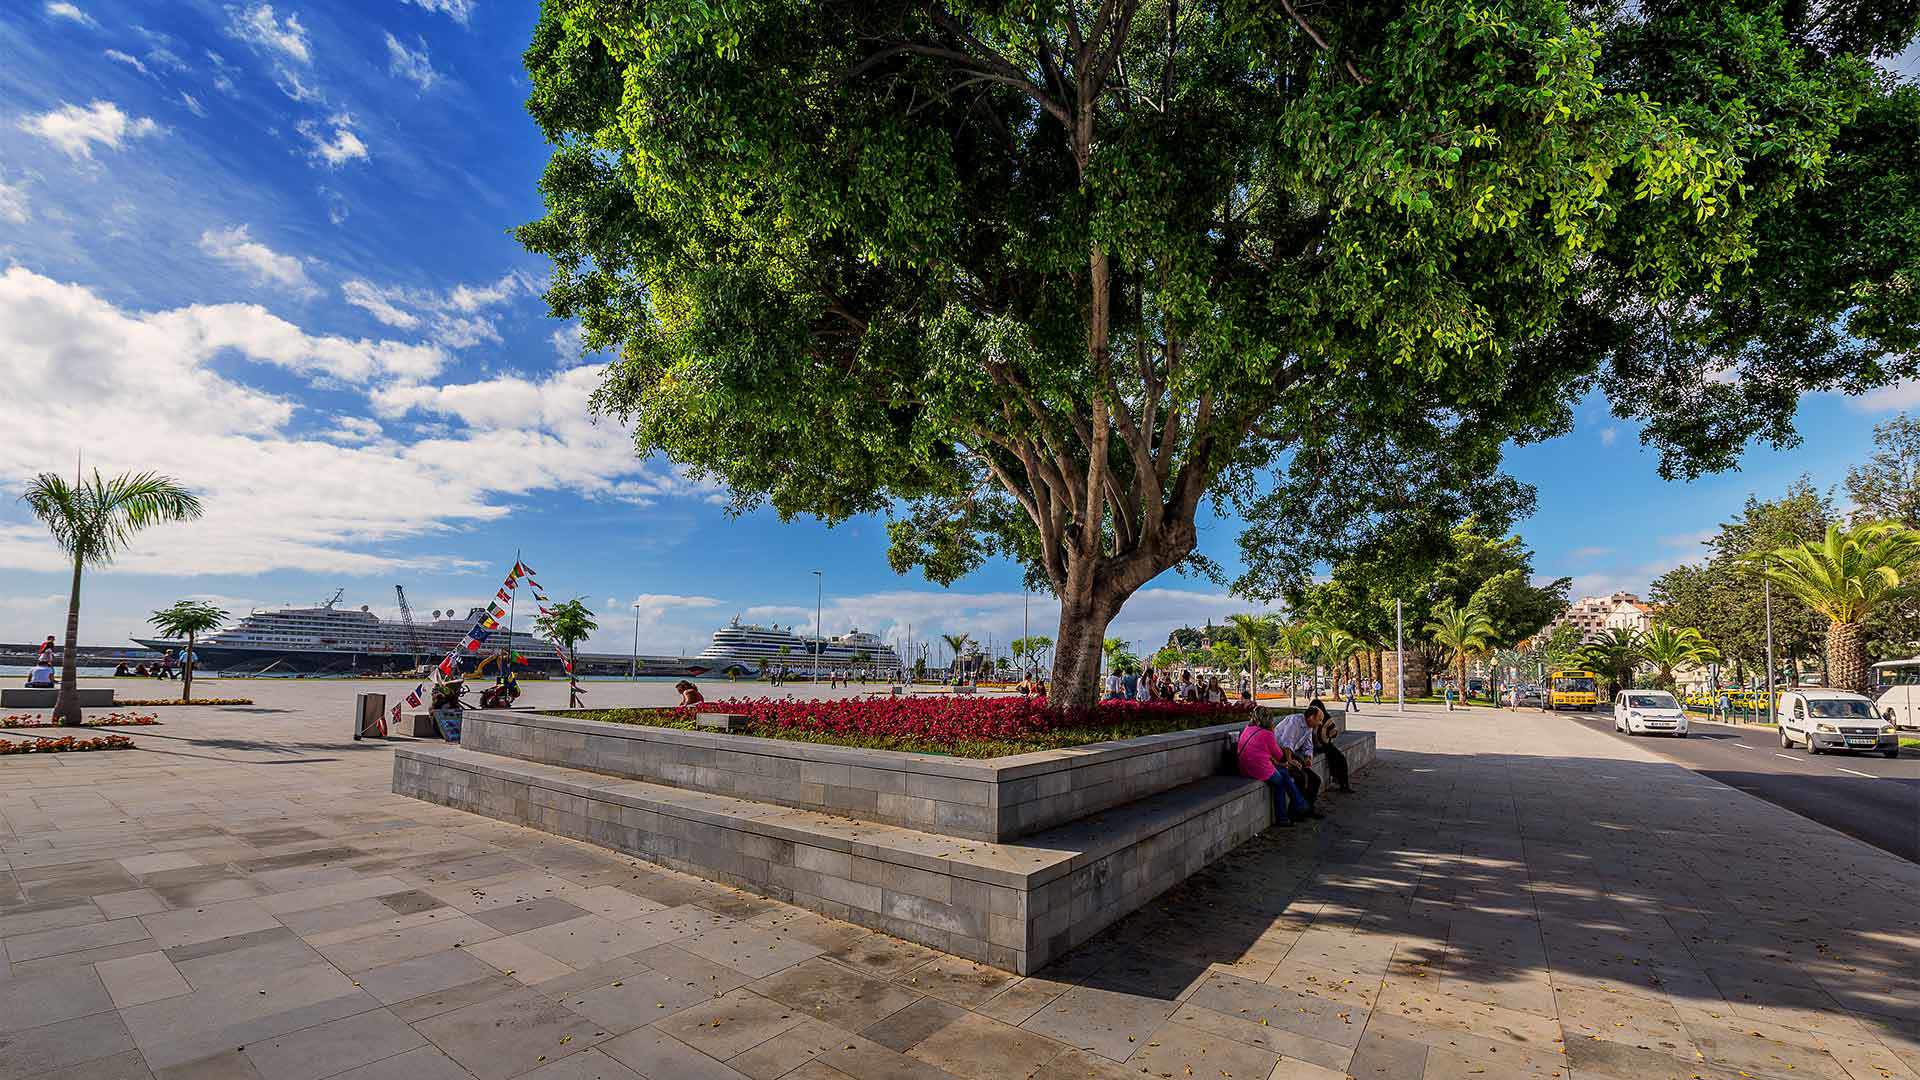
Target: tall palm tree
[[1844, 576], [1256, 634], [1615, 654], [567, 624], [1463, 631], [1669, 647], [93, 521], [1294, 640], [958, 643], [1337, 647], [187, 619]]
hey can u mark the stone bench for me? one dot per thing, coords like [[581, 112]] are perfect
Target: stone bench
[[1013, 905], [21, 697]]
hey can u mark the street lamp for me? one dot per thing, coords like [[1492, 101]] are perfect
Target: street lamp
[[819, 594], [633, 670]]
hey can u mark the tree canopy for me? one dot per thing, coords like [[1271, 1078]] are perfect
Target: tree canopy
[[1039, 279]]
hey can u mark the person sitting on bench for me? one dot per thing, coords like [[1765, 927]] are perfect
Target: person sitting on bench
[[1261, 758], [1294, 733], [1324, 733], [41, 677]]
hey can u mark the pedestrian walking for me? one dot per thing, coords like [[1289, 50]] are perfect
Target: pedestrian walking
[[1353, 697]]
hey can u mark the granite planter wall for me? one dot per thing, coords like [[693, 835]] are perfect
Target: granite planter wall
[[982, 799]]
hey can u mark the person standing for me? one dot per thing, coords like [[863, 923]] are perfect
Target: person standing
[[1353, 697], [46, 652]]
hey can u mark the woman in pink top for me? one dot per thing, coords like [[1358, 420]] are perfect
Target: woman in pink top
[[1261, 758]]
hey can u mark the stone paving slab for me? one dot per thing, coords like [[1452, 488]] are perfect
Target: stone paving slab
[[1507, 896]]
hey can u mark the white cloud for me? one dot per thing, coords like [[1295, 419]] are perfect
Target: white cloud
[[410, 64], [568, 349], [75, 130], [337, 209], [454, 315], [1894, 398], [339, 148], [13, 203], [61, 9], [294, 87], [223, 72], [133, 62], [1608, 434], [375, 302], [284, 488], [1591, 552], [258, 27], [459, 11], [193, 104], [235, 247]]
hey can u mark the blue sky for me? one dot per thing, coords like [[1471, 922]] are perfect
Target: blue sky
[[264, 248]]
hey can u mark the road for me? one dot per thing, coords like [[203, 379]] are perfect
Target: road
[[1867, 797]]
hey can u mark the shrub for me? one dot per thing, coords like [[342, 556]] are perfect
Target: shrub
[[67, 744], [114, 719], [958, 726]]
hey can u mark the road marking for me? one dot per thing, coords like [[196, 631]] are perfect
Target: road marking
[[1789, 757], [1850, 772], [1742, 746]]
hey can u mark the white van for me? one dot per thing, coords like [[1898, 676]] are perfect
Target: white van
[[1648, 712], [1823, 720]]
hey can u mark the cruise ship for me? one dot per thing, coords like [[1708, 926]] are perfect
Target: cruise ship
[[759, 647], [330, 639]]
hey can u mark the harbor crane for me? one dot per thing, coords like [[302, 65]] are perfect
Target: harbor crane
[[406, 617]]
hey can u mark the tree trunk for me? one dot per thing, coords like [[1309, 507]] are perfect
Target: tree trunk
[[186, 672], [66, 704], [1847, 656], [1077, 651]]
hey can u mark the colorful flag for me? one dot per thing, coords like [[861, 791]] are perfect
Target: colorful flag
[[413, 700], [502, 596], [540, 596], [522, 568], [543, 610], [471, 643], [489, 623], [532, 582], [518, 659], [511, 583], [446, 666], [496, 612]]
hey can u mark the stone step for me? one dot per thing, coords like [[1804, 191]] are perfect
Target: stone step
[[1014, 905]]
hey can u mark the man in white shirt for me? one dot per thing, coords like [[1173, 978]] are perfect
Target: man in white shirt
[[1296, 738], [1113, 686]]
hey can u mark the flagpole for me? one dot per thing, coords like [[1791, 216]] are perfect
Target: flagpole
[[513, 596]]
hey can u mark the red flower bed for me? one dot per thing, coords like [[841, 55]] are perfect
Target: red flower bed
[[965, 726], [114, 719], [67, 744]]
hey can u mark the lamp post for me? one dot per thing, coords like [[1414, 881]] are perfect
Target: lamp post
[[633, 667], [1766, 590], [819, 595], [1399, 661]]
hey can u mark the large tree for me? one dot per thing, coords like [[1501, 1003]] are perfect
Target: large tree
[[1039, 279], [1723, 598]]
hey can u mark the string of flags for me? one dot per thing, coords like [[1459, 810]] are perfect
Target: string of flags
[[482, 629]]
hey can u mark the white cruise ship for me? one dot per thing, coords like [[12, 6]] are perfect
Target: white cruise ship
[[335, 640], [763, 646]]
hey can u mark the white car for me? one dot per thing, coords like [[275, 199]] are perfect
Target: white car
[[1648, 712], [1823, 720]]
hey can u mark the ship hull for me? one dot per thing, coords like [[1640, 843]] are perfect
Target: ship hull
[[243, 660]]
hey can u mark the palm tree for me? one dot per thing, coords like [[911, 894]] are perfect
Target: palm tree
[[1844, 577], [93, 521], [1112, 649], [1614, 655], [1669, 647], [1462, 631], [567, 624], [1337, 647], [1256, 633], [189, 620], [958, 643], [1294, 640]]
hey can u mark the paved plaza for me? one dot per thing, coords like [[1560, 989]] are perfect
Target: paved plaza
[[1508, 895]]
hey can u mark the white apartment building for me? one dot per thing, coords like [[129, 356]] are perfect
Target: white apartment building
[[1595, 615]]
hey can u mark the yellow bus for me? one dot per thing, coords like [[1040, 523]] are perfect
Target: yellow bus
[[1573, 689]]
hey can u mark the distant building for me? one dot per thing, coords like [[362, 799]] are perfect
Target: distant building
[[1595, 615]]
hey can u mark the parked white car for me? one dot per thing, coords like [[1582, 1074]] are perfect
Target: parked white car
[[1823, 720], [1648, 712]]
